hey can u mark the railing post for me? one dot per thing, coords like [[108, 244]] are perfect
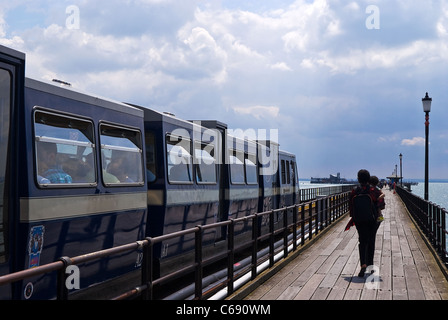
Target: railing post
[[62, 290], [310, 221], [444, 252], [231, 256], [295, 212], [302, 223], [437, 228], [271, 238], [147, 269], [198, 262], [254, 246], [318, 215], [285, 233]]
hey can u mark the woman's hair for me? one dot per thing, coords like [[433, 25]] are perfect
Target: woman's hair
[[363, 176]]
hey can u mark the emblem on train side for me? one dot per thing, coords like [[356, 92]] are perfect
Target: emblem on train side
[[35, 245]]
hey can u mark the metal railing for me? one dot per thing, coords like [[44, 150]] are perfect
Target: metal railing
[[300, 222], [431, 219], [308, 194]]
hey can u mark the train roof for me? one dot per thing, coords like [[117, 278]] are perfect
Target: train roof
[[12, 53], [77, 95], [167, 117]]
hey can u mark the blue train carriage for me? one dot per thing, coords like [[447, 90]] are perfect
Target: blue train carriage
[[278, 178], [183, 188], [268, 171], [288, 180], [239, 178], [289, 193], [243, 192], [73, 181]]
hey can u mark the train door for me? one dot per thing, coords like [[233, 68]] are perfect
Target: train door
[[295, 182], [285, 183], [11, 85]]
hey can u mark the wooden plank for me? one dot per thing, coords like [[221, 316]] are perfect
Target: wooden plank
[[399, 289], [310, 287]]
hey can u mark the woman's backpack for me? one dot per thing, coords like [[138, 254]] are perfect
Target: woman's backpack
[[364, 209]]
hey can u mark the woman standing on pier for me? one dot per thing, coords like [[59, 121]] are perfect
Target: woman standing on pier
[[364, 203]]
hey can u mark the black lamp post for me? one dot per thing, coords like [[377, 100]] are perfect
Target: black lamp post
[[401, 170], [426, 108]]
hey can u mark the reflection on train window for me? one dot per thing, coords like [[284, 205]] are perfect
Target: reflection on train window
[[151, 163], [205, 163], [179, 160], [283, 172], [293, 172], [64, 150], [236, 166], [121, 155], [251, 169], [5, 108]]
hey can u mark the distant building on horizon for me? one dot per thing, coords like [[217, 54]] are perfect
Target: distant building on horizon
[[333, 179]]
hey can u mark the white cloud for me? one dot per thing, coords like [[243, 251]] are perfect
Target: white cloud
[[282, 66], [416, 141], [259, 112]]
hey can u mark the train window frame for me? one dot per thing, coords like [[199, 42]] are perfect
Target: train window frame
[[136, 140], [250, 160], [204, 154], [183, 145], [233, 159], [151, 156], [5, 133], [64, 121], [283, 171]]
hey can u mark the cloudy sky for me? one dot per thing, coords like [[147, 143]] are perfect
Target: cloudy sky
[[341, 81]]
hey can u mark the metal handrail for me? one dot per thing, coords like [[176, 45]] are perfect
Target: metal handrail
[[431, 219], [316, 214]]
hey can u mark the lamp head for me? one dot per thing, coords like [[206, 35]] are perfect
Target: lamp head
[[426, 101]]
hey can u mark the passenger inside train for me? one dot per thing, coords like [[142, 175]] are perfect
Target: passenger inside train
[[47, 166]]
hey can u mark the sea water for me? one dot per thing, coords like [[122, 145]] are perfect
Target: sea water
[[437, 192]]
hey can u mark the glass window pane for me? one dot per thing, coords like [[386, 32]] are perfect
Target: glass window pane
[[251, 169], [236, 167], [64, 150], [121, 155], [179, 160], [283, 172], [206, 164]]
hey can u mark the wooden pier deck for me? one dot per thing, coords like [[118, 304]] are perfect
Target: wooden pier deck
[[328, 269]]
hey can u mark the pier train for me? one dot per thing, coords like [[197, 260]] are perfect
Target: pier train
[[79, 173]]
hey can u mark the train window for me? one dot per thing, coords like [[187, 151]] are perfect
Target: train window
[[65, 152], [236, 166], [179, 159], [5, 110], [283, 172], [294, 172], [205, 163], [288, 173], [151, 163], [251, 168], [121, 155]]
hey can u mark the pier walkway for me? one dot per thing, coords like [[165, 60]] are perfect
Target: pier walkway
[[328, 269]]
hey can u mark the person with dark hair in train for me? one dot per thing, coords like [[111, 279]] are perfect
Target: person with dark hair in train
[[363, 209], [47, 164]]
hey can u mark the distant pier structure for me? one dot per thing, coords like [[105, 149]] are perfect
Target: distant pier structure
[[394, 177], [333, 179]]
